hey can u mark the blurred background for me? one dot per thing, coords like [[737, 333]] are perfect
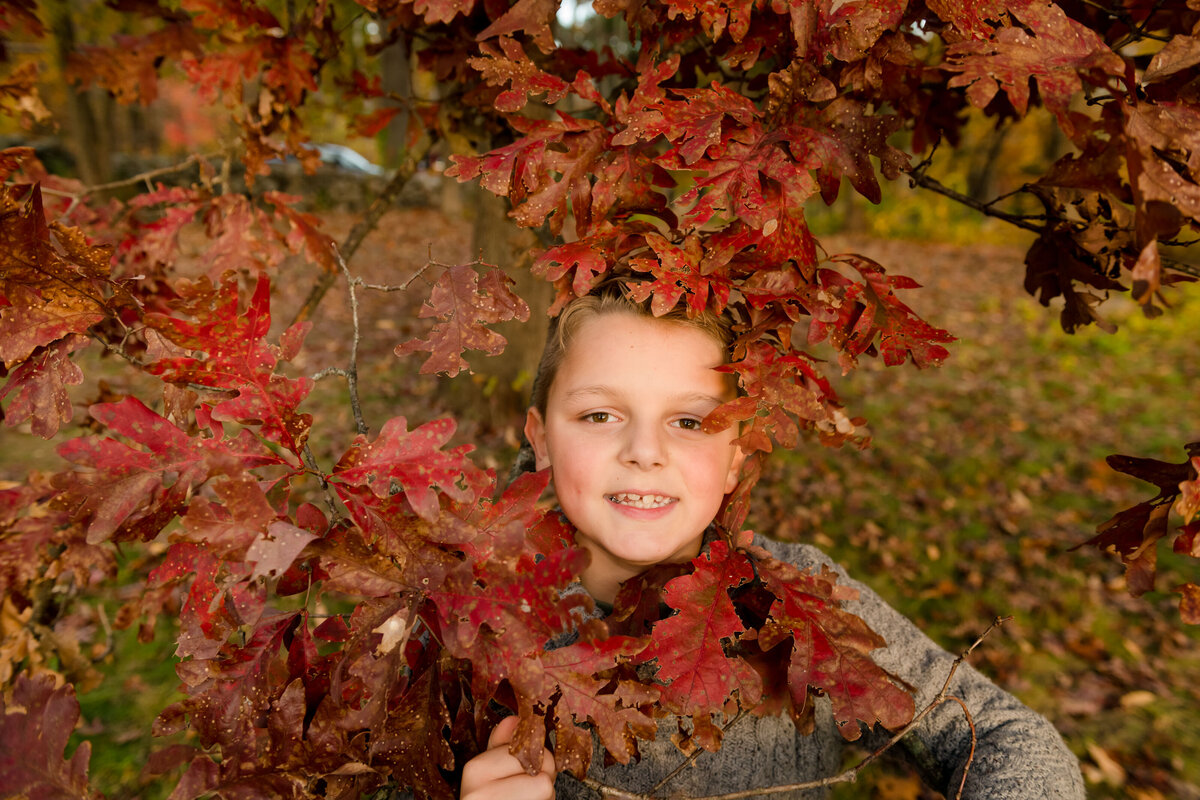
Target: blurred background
[[981, 480]]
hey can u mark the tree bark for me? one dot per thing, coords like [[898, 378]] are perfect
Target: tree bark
[[508, 377], [397, 82], [88, 139]]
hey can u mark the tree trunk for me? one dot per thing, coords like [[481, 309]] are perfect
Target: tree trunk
[[508, 377], [87, 137], [397, 81]]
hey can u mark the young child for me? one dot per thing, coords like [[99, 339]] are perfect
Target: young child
[[616, 417]]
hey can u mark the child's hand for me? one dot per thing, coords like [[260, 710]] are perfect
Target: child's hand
[[495, 774]]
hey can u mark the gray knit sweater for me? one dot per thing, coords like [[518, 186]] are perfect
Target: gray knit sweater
[[1018, 756]]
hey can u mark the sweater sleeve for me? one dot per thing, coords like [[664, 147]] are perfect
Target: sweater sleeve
[[1018, 753]]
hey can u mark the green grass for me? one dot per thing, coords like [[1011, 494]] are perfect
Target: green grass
[[981, 478]]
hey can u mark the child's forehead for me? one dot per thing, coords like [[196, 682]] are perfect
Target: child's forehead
[[627, 353], [646, 330]]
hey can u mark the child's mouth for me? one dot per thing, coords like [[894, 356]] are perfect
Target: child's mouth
[[640, 500]]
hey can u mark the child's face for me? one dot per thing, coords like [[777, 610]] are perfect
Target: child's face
[[632, 470]]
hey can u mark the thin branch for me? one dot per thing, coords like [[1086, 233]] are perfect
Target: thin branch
[[403, 287], [356, 236], [695, 754], [352, 372], [850, 775], [962, 784], [144, 176], [921, 178], [327, 372]]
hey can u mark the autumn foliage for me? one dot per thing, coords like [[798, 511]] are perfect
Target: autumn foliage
[[347, 625]]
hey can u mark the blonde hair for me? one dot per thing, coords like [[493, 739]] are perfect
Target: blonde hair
[[612, 296]]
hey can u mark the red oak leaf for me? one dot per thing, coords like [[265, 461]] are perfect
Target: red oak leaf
[[217, 73], [570, 673], [1134, 532], [1164, 154], [412, 462], [230, 694], [534, 17], [350, 564], [503, 528], [29, 323], [291, 69], [411, 743], [694, 124], [500, 615], [1054, 51], [1188, 504], [127, 65], [305, 235], [237, 357], [830, 649], [524, 170], [838, 141], [229, 527], [1189, 603], [902, 334], [39, 386], [442, 10], [217, 14], [628, 181], [1180, 53], [154, 243], [716, 16], [34, 729], [465, 305], [51, 291], [676, 274], [133, 492], [513, 67], [574, 159], [782, 385], [690, 645], [513, 170], [274, 550], [574, 267], [406, 543]]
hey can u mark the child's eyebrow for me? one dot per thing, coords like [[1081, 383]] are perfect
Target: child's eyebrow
[[608, 393]]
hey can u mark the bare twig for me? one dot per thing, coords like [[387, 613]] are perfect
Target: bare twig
[[695, 754], [144, 176], [402, 287], [351, 373], [962, 784], [325, 373], [356, 236], [920, 177], [850, 775]]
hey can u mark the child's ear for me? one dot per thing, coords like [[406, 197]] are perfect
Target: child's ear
[[535, 433], [735, 470]]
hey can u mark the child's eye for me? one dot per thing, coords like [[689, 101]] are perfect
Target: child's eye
[[597, 416], [688, 424]]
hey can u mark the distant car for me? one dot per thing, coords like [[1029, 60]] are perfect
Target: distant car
[[342, 157], [337, 156]]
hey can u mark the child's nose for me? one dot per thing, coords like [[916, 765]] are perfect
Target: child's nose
[[644, 446]]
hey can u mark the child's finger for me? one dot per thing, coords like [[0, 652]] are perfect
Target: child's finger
[[495, 774], [503, 732], [502, 735], [516, 787]]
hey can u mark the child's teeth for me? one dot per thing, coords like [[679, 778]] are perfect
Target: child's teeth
[[641, 500]]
